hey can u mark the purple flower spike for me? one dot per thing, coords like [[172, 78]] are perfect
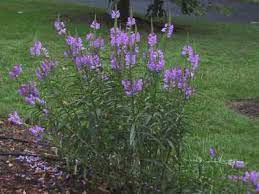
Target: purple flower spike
[[114, 63], [89, 36], [95, 25], [131, 58], [233, 177], [75, 44], [36, 130], [156, 60], [45, 111], [212, 152], [16, 71], [178, 78], [115, 14], [45, 68], [250, 178], [134, 38], [92, 62], [15, 119], [187, 50], [35, 50], [105, 77], [169, 28], [194, 60], [27, 89], [131, 21], [188, 92], [237, 163], [31, 94], [132, 88], [60, 27], [115, 35], [32, 100], [98, 43], [192, 57], [152, 39], [70, 40]]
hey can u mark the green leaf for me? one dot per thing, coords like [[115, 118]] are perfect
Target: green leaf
[[132, 135]]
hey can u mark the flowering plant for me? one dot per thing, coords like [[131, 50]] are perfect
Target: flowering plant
[[113, 109]]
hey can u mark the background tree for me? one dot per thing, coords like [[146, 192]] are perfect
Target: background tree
[[124, 7], [196, 7], [156, 8], [188, 7]]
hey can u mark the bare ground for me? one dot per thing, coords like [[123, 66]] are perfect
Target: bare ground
[[30, 167], [248, 108]]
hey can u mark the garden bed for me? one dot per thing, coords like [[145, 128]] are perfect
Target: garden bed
[[29, 167]]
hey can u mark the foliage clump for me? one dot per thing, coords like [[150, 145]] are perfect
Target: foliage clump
[[114, 110]]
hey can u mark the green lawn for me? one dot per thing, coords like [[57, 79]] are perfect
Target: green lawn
[[229, 70]]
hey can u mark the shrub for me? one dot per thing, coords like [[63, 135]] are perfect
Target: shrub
[[113, 110]]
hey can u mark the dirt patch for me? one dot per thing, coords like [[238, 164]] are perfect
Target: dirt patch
[[31, 166], [27, 166], [249, 108]]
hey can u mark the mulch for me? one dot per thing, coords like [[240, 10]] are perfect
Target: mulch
[[249, 108], [27, 166]]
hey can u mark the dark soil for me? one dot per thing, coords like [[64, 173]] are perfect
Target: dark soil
[[27, 166], [248, 108]]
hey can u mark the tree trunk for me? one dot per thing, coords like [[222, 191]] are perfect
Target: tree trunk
[[184, 7], [156, 9], [124, 8]]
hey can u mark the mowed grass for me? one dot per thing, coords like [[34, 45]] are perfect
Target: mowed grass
[[229, 70]]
